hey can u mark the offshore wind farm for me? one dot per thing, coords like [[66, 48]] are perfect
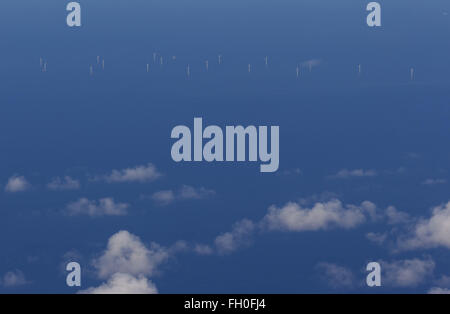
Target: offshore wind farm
[[176, 68]]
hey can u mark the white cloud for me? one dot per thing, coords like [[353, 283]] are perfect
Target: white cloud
[[164, 197], [400, 170], [407, 273], [293, 217], [437, 290], [237, 237], [434, 181], [395, 216], [17, 184], [359, 173], [179, 246], [317, 198], [336, 276], [140, 174], [63, 184], [430, 233], [203, 249], [378, 238], [186, 192], [124, 284], [127, 263], [443, 281], [104, 207], [127, 254], [13, 279]]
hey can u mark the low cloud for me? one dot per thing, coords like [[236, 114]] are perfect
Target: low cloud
[[139, 174], [124, 284], [17, 184], [407, 273], [63, 184], [321, 216], [203, 249], [443, 281], [14, 278], [295, 217], [356, 173], [377, 238], [239, 236], [102, 207], [395, 217], [127, 264], [336, 276], [437, 290], [434, 181], [166, 197], [190, 193], [127, 254], [429, 232]]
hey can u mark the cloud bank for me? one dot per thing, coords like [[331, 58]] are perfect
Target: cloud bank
[[102, 207]]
